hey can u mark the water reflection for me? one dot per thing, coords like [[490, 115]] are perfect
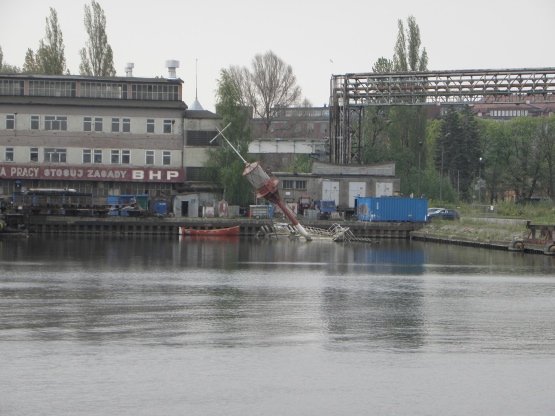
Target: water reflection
[[191, 291]]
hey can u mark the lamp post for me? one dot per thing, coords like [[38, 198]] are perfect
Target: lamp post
[[419, 167], [480, 180]]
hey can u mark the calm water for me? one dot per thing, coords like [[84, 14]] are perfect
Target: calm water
[[131, 326]]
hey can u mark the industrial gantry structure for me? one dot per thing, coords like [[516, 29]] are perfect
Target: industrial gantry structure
[[350, 94]]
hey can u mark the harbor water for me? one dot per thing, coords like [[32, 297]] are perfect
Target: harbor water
[[192, 326]]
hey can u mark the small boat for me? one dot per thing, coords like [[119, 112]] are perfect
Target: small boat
[[214, 232]]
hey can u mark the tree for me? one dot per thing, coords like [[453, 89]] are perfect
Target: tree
[[408, 55], [224, 165], [7, 68], [50, 58], [31, 66], [408, 124], [458, 150], [96, 58], [270, 85]]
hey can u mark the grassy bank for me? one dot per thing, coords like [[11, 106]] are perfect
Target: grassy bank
[[482, 224], [475, 229]]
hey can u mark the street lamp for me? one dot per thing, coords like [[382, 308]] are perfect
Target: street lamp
[[480, 180], [419, 167]]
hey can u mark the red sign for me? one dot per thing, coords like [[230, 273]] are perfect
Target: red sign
[[81, 173]]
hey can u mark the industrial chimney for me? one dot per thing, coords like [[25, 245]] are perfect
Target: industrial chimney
[[129, 69], [172, 65]]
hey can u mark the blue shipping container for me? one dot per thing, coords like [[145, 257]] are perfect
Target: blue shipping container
[[325, 206], [392, 209], [160, 207]]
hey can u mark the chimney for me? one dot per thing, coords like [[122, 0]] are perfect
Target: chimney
[[172, 65], [129, 69]]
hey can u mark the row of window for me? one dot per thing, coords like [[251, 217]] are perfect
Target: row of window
[[90, 124], [508, 113], [110, 90], [294, 184], [90, 156]]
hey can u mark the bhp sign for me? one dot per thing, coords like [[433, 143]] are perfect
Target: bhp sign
[[9, 171]]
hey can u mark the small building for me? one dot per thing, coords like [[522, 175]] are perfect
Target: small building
[[339, 183]]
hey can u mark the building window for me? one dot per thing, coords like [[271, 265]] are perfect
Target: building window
[[10, 121], [35, 122], [201, 138], [290, 184], [87, 124], [287, 184], [126, 125], [55, 122], [34, 154], [167, 157], [300, 184], [168, 126], [103, 90], [115, 125], [97, 156], [150, 125], [115, 157], [149, 157], [98, 124], [54, 155], [11, 87], [52, 88], [8, 156], [125, 157], [155, 92], [87, 155]]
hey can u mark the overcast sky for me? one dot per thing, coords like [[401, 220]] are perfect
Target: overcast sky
[[317, 38]]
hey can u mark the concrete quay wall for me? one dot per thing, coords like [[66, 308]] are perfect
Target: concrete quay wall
[[170, 226]]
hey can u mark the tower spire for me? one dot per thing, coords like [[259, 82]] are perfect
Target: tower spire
[[196, 106]]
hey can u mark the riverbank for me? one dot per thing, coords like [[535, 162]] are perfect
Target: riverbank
[[493, 233]]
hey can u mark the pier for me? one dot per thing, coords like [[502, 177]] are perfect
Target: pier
[[51, 224]]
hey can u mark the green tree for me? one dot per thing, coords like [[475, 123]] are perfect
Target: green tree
[[458, 150], [547, 147], [225, 167], [527, 158], [50, 58], [31, 66], [408, 55], [497, 151], [7, 68], [398, 133], [97, 57]]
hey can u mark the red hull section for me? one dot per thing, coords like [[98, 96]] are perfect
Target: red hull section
[[216, 232]]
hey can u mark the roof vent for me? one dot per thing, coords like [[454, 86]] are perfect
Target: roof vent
[[172, 65], [129, 69]]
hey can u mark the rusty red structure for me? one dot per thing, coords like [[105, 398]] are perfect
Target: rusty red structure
[[266, 187]]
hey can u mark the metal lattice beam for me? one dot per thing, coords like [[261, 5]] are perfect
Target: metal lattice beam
[[351, 93]]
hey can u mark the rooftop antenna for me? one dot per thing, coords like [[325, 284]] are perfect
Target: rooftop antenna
[[196, 79], [196, 105]]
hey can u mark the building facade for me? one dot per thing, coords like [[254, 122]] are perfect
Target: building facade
[[105, 136]]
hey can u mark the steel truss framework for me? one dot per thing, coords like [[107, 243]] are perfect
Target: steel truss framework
[[350, 94]]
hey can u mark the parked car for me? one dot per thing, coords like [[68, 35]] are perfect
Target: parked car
[[442, 213]]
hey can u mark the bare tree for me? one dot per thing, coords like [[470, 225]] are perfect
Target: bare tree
[[96, 58], [269, 86]]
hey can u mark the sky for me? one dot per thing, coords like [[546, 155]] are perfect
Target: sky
[[317, 38]]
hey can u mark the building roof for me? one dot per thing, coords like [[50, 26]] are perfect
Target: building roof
[[92, 78], [200, 114], [196, 106]]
